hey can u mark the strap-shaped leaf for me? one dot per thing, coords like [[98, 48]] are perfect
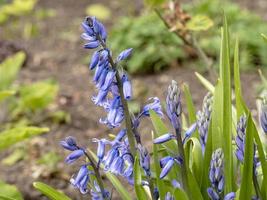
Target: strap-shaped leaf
[[50, 192]]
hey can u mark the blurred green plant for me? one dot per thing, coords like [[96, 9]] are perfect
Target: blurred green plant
[[98, 10], [244, 24], [154, 47]]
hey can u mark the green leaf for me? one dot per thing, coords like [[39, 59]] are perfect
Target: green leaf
[[14, 135], [225, 75], [50, 192], [124, 194], [262, 159], [6, 93], [240, 104], [98, 10], [10, 68], [246, 183], [37, 95], [193, 153], [139, 190], [189, 103], [161, 129], [205, 82], [199, 23], [264, 37], [160, 183], [180, 194], [9, 192], [154, 2]]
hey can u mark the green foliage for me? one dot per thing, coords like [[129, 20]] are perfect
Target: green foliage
[[37, 96], [10, 68], [9, 192], [12, 136], [245, 24], [50, 192], [154, 47], [199, 23], [16, 8], [98, 10]]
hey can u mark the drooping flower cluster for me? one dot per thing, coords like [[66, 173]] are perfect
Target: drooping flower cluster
[[216, 177], [105, 73], [82, 178], [203, 119]]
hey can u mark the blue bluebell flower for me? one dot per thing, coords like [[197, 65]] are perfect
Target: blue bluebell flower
[[164, 138], [167, 163], [216, 174], [169, 196], [124, 54], [203, 120], [263, 114], [81, 180], [188, 133], [154, 105], [156, 193], [92, 45], [127, 87], [69, 143], [94, 60], [174, 108], [240, 138], [176, 184], [230, 196], [74, 156], [96, 193], [144, 159]]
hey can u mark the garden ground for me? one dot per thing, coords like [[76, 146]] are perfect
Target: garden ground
[[57, 53]]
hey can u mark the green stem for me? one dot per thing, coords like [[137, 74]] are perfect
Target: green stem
[[97, 174], [128, 121], [183, 165], [256, 184]]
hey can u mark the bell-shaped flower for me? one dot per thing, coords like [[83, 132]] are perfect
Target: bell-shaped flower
[[69, 143], [127, 87], [74, 156], [154, 105], [163, 138], [166, 169], [124, 54], [94, 60], [91, 45]]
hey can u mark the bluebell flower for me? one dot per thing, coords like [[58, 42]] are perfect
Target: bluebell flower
[[156, 193], [174, 108], [127, 87], [263, 114], [176, 184], [74, 156], [188, 133], [81, 180], [229, 196], [69, 143], [108, 80], [117, 166], [203, 119], [167, 163], [92, 45], [164, 138], [154, 105], [96, 193], [216, 174], [144, 159], [94, 60], [240, 138], [169, 196], [124, 54]]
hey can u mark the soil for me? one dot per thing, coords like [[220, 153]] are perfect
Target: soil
[[59, 56]]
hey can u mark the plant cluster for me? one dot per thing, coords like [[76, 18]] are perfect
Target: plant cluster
[[221, 155]]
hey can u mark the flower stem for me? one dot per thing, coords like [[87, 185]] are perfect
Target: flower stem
[[128, 121], [183, 165], [97, 174]]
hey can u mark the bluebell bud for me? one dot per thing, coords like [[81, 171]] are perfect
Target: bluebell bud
[[240, 138], [108, 80], [229, 196], [69, 143], [174, 108], [144, 159], [154, 105], [92, 45], [166, 169], [94, 60], [127, 87], [163, 138], [124, 54], [188, 133], [169, 196], [213, 194], [74, 156]]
